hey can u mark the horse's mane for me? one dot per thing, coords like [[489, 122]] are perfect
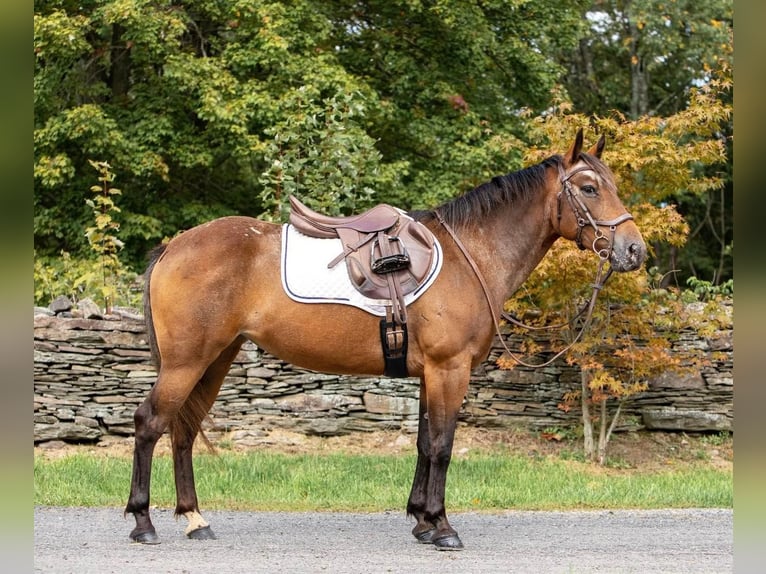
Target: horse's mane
[[500, 190]]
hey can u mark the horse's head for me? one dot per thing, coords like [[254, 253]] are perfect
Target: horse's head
[[589, 211]]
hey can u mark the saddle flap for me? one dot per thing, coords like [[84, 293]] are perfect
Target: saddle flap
[[417, 245]]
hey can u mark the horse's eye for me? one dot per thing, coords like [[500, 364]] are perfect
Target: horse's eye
[[589, 190]]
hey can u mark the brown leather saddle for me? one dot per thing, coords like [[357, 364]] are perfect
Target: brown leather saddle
[[387, 253]]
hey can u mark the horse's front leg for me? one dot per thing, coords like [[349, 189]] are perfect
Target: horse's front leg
[[445, 389], [416, 504]]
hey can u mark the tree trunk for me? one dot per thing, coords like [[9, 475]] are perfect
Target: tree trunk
[[639, 83], [602, 438], [120, 69], [587, 421]]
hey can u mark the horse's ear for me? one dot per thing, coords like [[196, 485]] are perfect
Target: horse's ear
[[574, 152], [598, 148]]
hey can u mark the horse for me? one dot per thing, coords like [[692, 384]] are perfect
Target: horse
[[213, 286]]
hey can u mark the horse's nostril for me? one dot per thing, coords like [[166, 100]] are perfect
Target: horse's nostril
[[637, 251]]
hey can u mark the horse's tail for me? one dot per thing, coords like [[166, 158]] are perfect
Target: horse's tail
[[154, 256]]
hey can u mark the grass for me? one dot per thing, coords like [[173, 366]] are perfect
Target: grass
[[343, 482]]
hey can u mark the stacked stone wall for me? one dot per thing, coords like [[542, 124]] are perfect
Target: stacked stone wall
[[91, 374]]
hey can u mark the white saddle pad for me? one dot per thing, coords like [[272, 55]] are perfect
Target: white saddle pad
[[306, 278]]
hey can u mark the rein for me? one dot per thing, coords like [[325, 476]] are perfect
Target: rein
[[579, 208]]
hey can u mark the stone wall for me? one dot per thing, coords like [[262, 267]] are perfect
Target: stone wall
[[91, 374]]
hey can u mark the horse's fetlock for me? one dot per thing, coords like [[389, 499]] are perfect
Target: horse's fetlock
[[138, 506]]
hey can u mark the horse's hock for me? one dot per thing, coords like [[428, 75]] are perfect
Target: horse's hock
[[91, 374]]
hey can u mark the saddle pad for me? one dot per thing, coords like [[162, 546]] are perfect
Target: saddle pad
[[306, 278]]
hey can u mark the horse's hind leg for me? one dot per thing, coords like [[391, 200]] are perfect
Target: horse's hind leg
[[151, 419], [183, 431]]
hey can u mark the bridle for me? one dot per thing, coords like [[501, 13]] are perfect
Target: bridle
[[584, 217]]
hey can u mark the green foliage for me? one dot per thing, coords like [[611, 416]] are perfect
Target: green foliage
[[207, 108], [673, 45], [102, 236], [101, 274], [716, 439], [320, 152], [705, 290], [78, 278]]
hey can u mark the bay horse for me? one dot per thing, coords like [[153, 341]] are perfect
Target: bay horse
[[218, 284]]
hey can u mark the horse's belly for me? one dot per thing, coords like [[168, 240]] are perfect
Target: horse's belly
[[330, 338]]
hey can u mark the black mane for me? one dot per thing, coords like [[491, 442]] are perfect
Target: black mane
[[503, 189], [500, 190]]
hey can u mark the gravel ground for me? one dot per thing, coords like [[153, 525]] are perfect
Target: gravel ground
[[95, 540]]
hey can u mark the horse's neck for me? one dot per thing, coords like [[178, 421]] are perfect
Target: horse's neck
[[508, 245]]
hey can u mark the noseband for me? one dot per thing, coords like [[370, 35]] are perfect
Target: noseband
[[583, 215]]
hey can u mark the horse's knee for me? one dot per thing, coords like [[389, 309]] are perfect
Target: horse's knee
[[441, 456], [142, 417], [141, 414]]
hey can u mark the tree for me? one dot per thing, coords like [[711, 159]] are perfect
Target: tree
[[642, 57], [195, 103], [627, 341]]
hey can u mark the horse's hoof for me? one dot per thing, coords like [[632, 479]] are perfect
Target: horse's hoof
[[425, 536], [148, 537], [448, 542], [204, 533]]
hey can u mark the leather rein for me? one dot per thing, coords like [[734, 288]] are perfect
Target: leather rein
[[584, 218]]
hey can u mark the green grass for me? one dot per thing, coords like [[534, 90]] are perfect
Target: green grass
[[341, 482]]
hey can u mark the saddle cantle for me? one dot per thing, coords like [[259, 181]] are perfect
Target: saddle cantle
[[387, 253]]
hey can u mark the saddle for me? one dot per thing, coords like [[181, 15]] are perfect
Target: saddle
[[388, 255]]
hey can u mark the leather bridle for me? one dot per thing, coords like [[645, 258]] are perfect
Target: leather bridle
[[584, 217]]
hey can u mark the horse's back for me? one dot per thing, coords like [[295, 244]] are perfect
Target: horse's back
[[234, 232], [205, 274]]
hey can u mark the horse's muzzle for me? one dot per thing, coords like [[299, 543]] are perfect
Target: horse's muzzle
[[628, 253]]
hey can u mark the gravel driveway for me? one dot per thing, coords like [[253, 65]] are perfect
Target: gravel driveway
[[95, 540]]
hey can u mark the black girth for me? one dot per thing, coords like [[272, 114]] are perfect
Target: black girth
[[393, 338]]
